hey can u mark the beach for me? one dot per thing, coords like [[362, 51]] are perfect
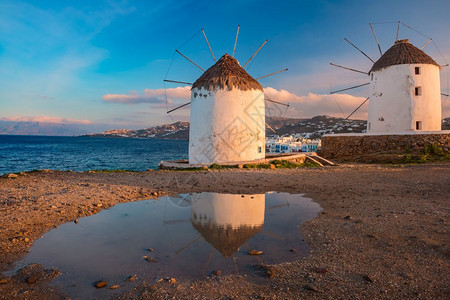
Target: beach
[[383, 231]]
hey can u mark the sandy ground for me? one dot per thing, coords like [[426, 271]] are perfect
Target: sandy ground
[[383, 233]]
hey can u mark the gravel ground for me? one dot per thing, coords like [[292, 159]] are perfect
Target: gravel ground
[[383, 233]]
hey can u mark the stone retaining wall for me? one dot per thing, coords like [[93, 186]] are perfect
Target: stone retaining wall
[[357, 145]]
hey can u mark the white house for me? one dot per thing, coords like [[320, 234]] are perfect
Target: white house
[[227, 122], [405, 92]]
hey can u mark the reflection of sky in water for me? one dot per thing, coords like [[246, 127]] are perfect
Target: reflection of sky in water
[[192, 234]]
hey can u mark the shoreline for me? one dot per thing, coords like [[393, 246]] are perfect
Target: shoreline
[[383, 231]]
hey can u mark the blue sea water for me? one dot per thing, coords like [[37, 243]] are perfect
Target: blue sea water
[[26, 153]]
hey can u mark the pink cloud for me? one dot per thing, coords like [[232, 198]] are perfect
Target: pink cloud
[[337, 105], [46, 119], [152, 96]]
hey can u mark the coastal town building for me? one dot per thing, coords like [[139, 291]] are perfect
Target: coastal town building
[[291, 144], [227, 122], [405, 92]]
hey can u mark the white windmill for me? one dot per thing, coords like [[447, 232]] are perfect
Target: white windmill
[[405, 90], [227, 120]]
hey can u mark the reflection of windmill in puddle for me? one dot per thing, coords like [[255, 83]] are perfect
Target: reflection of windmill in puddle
[[227, 222]]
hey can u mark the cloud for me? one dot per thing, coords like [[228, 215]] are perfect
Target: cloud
[[152, 96], [46, 119], [338, 105]]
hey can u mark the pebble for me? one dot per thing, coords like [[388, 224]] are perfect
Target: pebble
[[155, 194], [310, 287], [292, 250], [113, 287], [321, 270], [171, 280], [150, 249], [12, 175], [240, 166], [255, 252], [158, 280], [32, 279], [268, 271], [368, 278], [131, 278], [26, 240], [348, 218], [3, 280], [272, 167], [216, 273], [150, 259], [205, 168], [100, 284], [75, 221]]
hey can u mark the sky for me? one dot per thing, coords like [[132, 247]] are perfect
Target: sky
[[101, 64]]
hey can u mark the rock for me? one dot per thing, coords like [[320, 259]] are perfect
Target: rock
[[321, 270], [131, 278], [369, 278], [3, 280], [158, 279], [155, 194], [114, 287], [240, 166], [26, 240], [150, 259], [292, 250], [150, 249], [216, 273], [100, 284], [310, 287], [12, 175], [205, 168], [267, 271], [75, 221], [348, 218], [98, 205], [32, 279], [171, 280], [255, 252], [23, 292], [272, 167]]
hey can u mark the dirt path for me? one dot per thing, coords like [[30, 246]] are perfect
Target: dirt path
[[384, 231]]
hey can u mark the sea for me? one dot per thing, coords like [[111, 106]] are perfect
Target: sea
[[28, 153]]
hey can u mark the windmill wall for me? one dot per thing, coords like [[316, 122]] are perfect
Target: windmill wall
[[402, 100], [226, 126]]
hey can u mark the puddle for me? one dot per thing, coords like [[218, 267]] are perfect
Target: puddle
[[192, 235]]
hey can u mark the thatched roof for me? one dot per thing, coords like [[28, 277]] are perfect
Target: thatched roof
[[402, 52], [227, 72], [226, 239]]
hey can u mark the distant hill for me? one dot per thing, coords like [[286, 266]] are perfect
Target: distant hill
[[39, 128], [309, 127], [313, 128], [175, 131]]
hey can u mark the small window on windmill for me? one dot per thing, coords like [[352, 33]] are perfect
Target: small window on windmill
[[418, 125], [418, 91], [417, 70], [259, 149], [371, 76]]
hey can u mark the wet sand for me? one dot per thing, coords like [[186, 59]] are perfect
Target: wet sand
[[383, 233]]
